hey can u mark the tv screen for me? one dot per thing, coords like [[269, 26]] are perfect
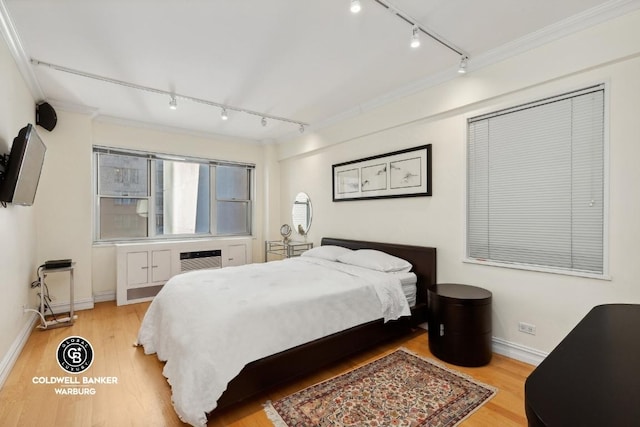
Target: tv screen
[[22, 171]]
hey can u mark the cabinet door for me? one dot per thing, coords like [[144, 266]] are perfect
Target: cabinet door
[[237, 255], [160, 265], [137, 268]]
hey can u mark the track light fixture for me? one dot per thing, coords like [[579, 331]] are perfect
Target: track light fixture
[[416, 29], [224, 115], [462, 69], [301, 129], [355, 6], [173, 103], [415, 37]]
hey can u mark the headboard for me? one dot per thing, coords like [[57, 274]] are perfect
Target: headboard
[[422, 258]]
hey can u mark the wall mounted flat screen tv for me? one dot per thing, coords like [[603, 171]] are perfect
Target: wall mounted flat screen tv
[[22, 171]]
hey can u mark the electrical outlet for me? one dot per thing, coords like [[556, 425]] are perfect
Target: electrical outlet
[[527, 328]]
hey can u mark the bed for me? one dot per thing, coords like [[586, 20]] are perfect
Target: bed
[[266, 371]]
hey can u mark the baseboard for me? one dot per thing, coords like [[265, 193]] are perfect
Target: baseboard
[[6, 365], [104, 296], [519, 352], [79, 304], [512, 350]]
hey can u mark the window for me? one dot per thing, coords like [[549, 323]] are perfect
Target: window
[[535, 184], [146, 195]]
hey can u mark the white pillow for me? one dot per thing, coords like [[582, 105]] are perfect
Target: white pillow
[[328, 252], [376, 260]]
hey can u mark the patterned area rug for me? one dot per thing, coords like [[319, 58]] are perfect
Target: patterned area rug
[[400, 389]]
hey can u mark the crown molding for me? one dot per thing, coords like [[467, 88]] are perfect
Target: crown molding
[[10, 34], [589, 18]]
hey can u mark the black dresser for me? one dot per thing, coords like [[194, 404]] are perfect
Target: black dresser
[[592, 378]]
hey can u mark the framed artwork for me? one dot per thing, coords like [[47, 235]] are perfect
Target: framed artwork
[[404, 173]]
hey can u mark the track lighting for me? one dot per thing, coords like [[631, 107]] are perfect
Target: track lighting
[[355, 6], [415, 37], [301, 129], [416, 29], [173, 103], [462, 69]]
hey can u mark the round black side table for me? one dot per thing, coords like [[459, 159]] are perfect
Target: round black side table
[[459, 319]]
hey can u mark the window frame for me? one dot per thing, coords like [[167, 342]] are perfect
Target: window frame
[[605, 275], [151, 157]]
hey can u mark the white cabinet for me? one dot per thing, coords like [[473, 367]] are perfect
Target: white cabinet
[[142, 272], [144, 268], [237, 255], [160, 265], [137, 268]]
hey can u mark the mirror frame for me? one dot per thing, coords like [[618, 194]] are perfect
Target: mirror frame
[[302, 199]]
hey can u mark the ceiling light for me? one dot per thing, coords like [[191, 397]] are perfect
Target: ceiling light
[[173, 104], [462, 69], [415, 37], [263, 121], [417, 29], [355, 6], [224, 115]]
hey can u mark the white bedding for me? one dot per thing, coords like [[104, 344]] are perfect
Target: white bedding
[[409, 281], [207, 325]]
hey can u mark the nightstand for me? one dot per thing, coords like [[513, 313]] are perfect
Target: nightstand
[[459, 318], [285, 249]]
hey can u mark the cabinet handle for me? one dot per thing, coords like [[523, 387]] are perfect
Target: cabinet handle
[[144, 268], [230, 259], [441, 329], [154, 266]]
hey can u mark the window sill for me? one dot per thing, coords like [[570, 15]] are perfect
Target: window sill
[[177, 239], [538, 268]]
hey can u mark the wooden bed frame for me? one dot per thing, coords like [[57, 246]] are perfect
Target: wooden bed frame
[[263, 374]]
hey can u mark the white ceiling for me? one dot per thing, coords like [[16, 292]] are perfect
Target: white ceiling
[[308, 61]]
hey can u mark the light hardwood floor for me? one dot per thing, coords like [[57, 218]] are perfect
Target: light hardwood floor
[[142, 397]]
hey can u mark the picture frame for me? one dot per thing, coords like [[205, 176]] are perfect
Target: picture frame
[[403, 173]]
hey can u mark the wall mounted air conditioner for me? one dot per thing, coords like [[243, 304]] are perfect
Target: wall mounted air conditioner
[[200, 260]]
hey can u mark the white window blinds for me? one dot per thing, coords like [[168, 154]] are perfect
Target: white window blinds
[[535, 190]]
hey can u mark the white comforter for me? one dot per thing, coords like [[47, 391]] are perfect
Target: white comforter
[[207, 325]]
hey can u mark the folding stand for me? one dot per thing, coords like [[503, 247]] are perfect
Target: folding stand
[[56, 322]]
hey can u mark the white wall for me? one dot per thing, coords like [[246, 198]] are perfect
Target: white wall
[[555, 303], [17, 223], [64, 206]]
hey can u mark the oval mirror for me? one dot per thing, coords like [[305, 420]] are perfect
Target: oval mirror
[[301, 214]]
